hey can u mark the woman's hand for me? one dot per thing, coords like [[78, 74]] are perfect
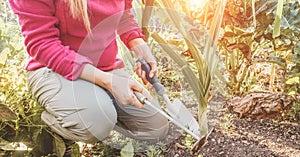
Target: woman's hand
[[142, 50], [123, 87], [117, 82]]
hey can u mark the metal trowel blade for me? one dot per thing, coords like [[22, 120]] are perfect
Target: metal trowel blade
[[181, 114]]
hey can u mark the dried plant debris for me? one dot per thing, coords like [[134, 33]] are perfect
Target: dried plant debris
[[260, 105], [6, 113]]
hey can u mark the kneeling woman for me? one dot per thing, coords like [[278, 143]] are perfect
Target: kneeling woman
[[74, 71]]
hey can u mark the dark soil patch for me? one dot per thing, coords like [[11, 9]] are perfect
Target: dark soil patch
[[255, 138], [234, 137]]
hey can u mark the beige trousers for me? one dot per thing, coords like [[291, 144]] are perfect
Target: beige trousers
[[82, 111]]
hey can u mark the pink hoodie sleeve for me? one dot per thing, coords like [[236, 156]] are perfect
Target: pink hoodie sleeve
[[38, 26], [128, 28]]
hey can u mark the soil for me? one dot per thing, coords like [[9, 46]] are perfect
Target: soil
[[248, 138], [235, 137]]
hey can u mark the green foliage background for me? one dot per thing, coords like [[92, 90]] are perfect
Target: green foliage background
[[254, 60]]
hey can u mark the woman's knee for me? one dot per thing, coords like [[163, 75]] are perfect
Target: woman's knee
[[73, 128], [159, 126], [160, 133], [87, 138], [94, 127]]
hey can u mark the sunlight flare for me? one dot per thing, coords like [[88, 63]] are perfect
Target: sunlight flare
[[196, 4]]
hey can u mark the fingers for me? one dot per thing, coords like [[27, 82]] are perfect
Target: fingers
[[154, 69], [138, 69], [136, 102], [136, 87], [132, 100], [142, 74]]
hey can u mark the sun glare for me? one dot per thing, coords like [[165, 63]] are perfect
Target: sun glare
[[197, 4]]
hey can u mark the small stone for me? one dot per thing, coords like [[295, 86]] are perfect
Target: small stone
[[293, 137]]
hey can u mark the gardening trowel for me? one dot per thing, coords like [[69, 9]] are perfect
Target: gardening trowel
[[176, 110], [200, 140]]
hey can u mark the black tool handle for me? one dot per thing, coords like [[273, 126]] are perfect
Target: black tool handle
[[159, 88]]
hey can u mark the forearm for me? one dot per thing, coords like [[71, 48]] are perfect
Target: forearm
[[96, 76]]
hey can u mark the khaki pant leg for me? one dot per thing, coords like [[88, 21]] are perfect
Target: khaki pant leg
[[81, 111], [77, 110]]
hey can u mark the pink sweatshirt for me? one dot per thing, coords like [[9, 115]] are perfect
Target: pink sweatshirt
[[54, 39]]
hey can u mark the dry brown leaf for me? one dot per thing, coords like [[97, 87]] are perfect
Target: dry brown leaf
[[260, 105], [246, 50], [7, 113]]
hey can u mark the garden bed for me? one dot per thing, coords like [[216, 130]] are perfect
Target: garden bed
[[232, 137], [245, 137]]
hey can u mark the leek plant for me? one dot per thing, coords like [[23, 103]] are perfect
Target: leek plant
[[200, 72]]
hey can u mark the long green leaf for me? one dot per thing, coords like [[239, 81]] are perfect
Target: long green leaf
[[189, 75], [276, 31], [147, 12], [253, 13], [175, 17], [222, 80]]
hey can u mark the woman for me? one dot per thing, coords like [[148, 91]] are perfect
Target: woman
[[74, 71]]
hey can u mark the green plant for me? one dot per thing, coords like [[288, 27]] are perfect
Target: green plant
[[287, 46], [188, 141], [227, 121], [295, 110], [127, 150], [199, 65], [155, 151], [254, 52]]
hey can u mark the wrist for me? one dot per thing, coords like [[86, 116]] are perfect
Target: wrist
[[103, 79], [135, 42], [96, 76]]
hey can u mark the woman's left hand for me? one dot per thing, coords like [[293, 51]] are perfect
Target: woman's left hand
[[143, 51]]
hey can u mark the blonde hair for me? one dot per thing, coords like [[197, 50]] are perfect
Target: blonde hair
[[79, 10]]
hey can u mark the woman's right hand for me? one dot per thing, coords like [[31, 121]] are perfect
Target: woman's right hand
[[123, 87], [118, 83]]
